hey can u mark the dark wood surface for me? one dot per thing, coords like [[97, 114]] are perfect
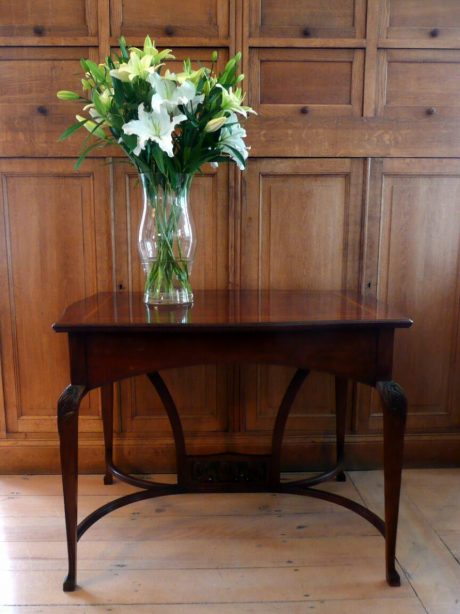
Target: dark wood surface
[[226, 309], [115, 336]]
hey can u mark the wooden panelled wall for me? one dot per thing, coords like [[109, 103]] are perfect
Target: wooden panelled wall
[[353, 182]]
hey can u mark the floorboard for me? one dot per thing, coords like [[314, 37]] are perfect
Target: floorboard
[[241, 553]]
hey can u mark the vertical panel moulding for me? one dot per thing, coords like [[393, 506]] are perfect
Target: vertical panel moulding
[[226, 19], [2, 403], [92, 16], [385, 237], [345, 282], [11, 422], [89, 238], [360, 18], [260, 221], [363, 283], [357, 83], [103, 15], [453, 390], [3, 292], [115, 17], [374, 9], [355, 222], [384, 10], [376, 215], [112, 225]]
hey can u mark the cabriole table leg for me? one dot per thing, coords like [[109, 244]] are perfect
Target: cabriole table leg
[[394, 421], [68, 406]]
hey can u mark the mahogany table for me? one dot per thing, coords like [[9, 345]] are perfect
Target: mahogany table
[[115, 336]]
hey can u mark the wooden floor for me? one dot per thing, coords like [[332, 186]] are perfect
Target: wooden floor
[[232, 553]]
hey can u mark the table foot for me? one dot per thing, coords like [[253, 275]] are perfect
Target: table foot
[[108, 479], [69, 584], [341, 477], [393, 578]]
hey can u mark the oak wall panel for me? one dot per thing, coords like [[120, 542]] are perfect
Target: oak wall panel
[[54, 249], [287, 82], [31, 116], [414, 254], [175, 21], [417, 84], [301, 229], [421, 19], [44, 19], [307, 18]]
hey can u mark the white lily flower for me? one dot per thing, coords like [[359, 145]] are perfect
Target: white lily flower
[[155, 126], [169, 96], [231, 138], [135, 67], [231, 101]]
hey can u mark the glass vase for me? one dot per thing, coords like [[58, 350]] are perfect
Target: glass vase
[[166, 241]]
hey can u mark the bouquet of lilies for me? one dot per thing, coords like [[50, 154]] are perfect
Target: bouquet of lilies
[[168, 124]]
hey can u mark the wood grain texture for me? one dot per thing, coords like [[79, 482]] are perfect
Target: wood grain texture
[[422, 20], [39, 118], [420, 549], [415, 256], [307, 19], [413, 84], [290, 82], [392, 62], [41, 19], [199, 19], [226, 568], [54, 245]]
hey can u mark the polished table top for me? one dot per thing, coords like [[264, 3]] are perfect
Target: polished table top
[[226, 309]]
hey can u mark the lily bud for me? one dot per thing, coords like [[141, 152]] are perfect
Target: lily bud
[[67, 95], [215, 124]]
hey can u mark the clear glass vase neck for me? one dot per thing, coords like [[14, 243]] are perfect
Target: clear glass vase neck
[[153, 183]]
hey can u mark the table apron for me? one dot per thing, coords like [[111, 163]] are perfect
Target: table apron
[[361, 354]]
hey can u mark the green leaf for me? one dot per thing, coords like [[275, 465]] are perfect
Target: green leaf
[[86, 152], [100, 108], [73, 128], [124, 51], [118, 92], [158, 156]]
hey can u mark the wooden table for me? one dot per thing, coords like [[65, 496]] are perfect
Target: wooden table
[[115, 336]]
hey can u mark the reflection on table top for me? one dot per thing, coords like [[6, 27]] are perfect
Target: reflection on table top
[[228, 309]]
